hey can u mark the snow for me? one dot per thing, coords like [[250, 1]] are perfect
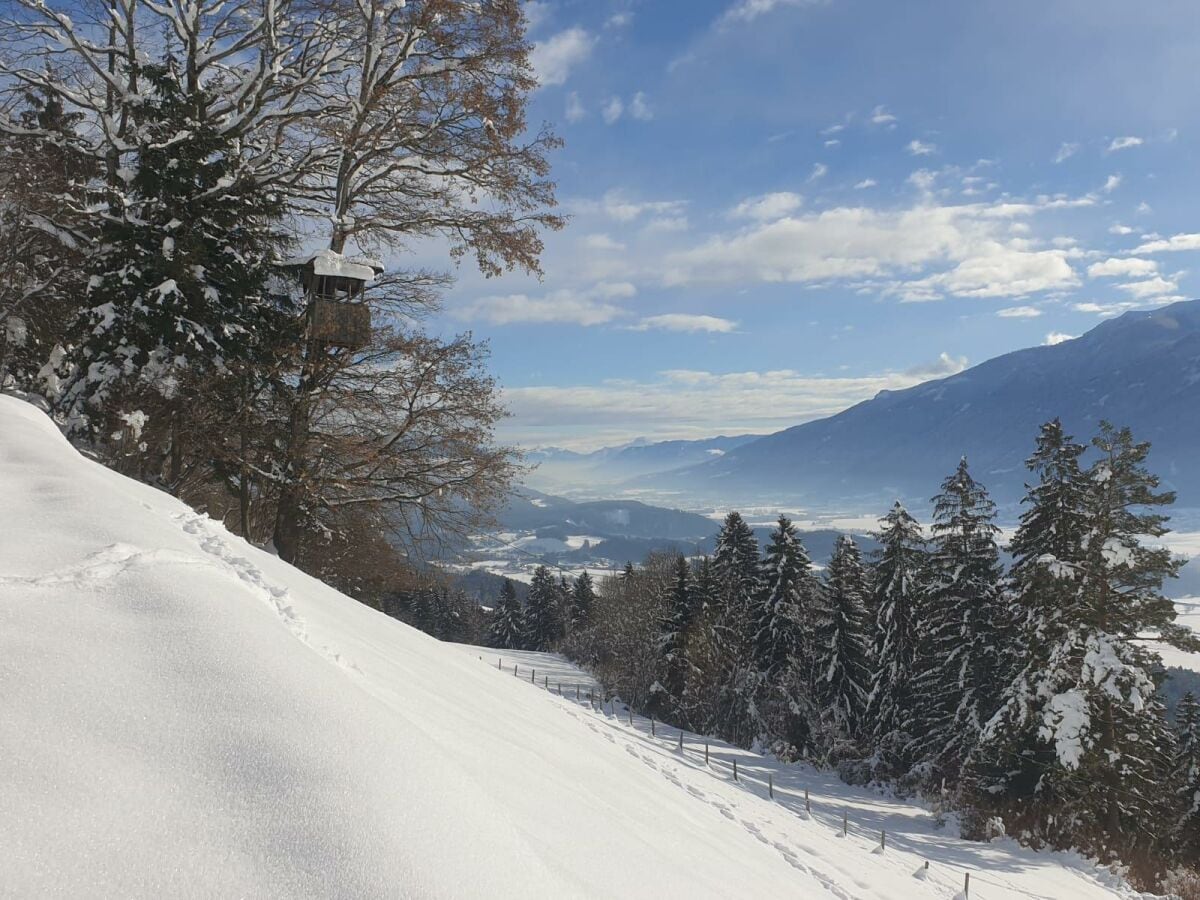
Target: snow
[[185, 715], [327, 262]]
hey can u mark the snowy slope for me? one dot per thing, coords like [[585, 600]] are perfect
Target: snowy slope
[[185, 715]]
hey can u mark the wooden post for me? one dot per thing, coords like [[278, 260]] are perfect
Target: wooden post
[[807, 804], [629, 709], [966, 885], [499, 663], [680, 740], [706, 753], [532, 675], [882, 839], [546, 682], [735, 770], [576, 690], [845, 822], [926, 865], [653, 730], [770, 785], [514, 670]]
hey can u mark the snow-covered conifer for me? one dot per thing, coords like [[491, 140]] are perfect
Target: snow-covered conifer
[[841, 644], [507, 628]]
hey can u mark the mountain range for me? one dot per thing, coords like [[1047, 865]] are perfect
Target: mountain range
[[1141, 369]]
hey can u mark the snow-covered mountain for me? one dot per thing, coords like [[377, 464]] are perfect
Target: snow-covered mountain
[[186, 716], [1141, 370]]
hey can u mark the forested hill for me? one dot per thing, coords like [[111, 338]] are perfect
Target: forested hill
[[1140, 370]]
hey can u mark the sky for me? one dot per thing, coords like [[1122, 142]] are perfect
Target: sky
[[780, 207]]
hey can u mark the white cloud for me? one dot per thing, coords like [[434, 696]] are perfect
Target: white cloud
[[686, 322], [1057, 337], [1124, 143], [1172, 244], [819, 170], [553, 59], [612, 110], [616, 205], [1129, 267], [922, 179], [1144, 209], [1065, 152], [833, 129], [536, 12], [880, 116], [833, 142], [639, 108], [666, 224], [920, 148], [1111, 184], [575, 109], [565, 306], [768, 207], [866, 183], [1155, 287], [601, 242], [885, 249], [1107, 310], [696, 403], [749, 10], [619, 20], [1118, 228], [1019, 312]]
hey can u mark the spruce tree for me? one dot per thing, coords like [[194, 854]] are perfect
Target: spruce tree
[[962, 660], [507, 631], [896, 592], [736, 570], [668, 694], [841, 644], [1187, 774], [178, 289], [782, 619], [1081, 751], [583, 598], [543, 627]]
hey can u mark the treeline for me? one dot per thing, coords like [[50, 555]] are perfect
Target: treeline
[[1023, 699], [160, 163]]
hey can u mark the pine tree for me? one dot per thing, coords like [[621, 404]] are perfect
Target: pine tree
[[583, 598], [1080, 752], [1187, 774], [782, 619], [841, 644], [507, 630], [736, 570], [543, 627], [896, 588], [962, 659], [178, 289]]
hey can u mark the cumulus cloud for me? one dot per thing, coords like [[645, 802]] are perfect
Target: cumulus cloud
[[554, 58], [575, 109], [819, 170], [768, 207], [602, 242], [1057, 337], [1124, 143], [1155, 287], [1019, 312], [686, 322], [1128, 267], [922, 253], [620, 207], [880, 116], [1107, 310], [639, 108], [920, 148], [1065, 152], [1111, 183], [942, 367], [865, 183], [749, 10], [1172, 244], [612, 110], [1118, 228], [565, 306]]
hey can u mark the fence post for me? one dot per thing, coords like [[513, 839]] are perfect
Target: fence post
[[514, 670], [653, 730], [966, 885], [882, 839], [577, 690], [706, 753], [532, 675], [771, 786], [680, 740], [499, 663], [735, 778], [629, 709], [845, 822]]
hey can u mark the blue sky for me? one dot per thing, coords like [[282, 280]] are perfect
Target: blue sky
[[779, 208]]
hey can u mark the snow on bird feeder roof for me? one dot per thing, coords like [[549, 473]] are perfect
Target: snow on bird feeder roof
[[331, 263]]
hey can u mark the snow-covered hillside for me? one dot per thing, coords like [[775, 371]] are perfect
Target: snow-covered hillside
[[185, 715]]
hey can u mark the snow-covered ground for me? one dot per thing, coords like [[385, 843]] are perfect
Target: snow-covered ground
[[1189, 614], [184, 715]]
